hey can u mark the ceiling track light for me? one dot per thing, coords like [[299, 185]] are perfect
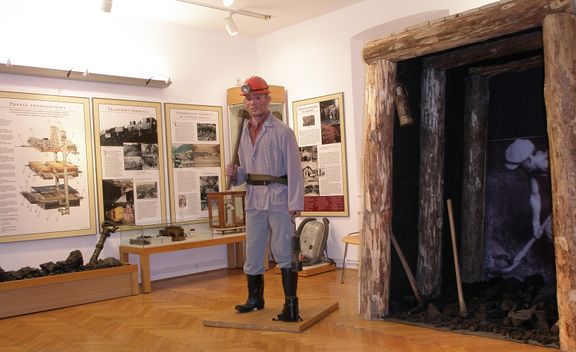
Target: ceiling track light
[[232, 12], [80, 73], [107, 5], [230, 26]]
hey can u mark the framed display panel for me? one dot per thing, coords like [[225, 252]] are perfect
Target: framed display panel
[[130, 162], [319, 128], [195, 150], [46, 167], [237, 111]]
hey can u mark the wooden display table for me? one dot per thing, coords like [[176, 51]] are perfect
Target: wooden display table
[[234, 242]]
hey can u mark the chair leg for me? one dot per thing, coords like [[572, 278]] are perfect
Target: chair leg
[[344, 263]]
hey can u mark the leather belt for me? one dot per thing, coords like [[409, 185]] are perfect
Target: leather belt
[[265, 180]]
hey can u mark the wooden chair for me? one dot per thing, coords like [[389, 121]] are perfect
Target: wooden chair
[[351, 238]]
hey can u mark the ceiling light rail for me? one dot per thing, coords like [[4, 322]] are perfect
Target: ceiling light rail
[[83, 74], [231, 11]]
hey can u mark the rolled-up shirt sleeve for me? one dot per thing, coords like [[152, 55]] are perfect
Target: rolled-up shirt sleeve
[[295, 178]]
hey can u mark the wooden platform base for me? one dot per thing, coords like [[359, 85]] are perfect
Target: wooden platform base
[[311, 312], [312, 269]]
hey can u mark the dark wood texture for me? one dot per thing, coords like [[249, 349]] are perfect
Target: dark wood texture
[[473, 173], [560, 97], [431, 209], [508, 67], [490, 50], [377, 190], [474, 26]]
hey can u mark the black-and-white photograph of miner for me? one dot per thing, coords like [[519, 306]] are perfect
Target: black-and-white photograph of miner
[[206, 131], [518, 227], [518, 217], [309, 163], [134, 131], [207, 184]]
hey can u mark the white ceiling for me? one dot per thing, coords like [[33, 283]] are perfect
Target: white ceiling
[[283, 13]]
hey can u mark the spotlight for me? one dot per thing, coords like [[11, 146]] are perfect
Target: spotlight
[[227, 3], [402, 105], [107, 5], [230, 26], [6, 62]]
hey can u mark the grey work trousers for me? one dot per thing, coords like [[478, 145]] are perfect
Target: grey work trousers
[[264, 224]]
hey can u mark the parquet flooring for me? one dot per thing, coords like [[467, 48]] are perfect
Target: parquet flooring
[[170, 319]]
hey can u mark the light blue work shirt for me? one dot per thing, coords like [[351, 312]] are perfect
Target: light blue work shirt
[[275, 152]]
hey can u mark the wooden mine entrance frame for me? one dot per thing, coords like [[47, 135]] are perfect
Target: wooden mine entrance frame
[[557, 21]]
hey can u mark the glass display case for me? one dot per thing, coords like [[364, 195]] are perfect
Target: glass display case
[[166, 233], [226, 211]]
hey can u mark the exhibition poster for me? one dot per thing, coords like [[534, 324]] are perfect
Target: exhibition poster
[[194, 140], [130, 162], [319, 128], [46, 181]]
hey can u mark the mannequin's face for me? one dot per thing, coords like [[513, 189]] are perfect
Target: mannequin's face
[[538, 161], [257, 105]]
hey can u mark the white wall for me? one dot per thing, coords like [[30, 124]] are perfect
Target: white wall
[[314, 58]]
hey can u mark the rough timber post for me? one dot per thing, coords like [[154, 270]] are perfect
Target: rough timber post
[[472, 204], [559, 32], [431, 188], [377, 190]]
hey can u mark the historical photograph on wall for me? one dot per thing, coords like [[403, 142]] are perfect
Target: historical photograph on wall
[[319, 128], [130, 162], [518, 223], [46, 167], [518, 198], [194, 140]]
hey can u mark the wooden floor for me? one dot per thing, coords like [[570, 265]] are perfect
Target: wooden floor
[[170, 319]]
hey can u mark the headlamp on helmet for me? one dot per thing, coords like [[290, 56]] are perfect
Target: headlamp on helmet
[[256, 85]]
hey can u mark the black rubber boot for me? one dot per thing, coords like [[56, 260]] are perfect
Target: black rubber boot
[[290, 283], [255, 299]]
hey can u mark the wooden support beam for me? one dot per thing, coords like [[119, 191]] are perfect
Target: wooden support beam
[[377, 190], [474, 170], [512, 66], [475, 26], [560, 96], [491, 50], [431, 187]]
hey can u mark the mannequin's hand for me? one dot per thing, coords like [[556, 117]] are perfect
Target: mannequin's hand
[[231, 171]]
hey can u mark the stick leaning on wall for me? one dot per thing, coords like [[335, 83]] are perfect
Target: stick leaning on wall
[[461, 302]]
